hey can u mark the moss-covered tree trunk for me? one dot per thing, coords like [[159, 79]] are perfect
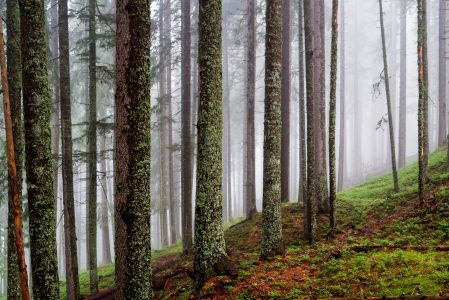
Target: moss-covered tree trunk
[[342, 139], [133, 146], [272, 241], [71, 257], [15, 94], [421, 100], [387, 92], [91, 234], [285, 100], [186, 131], [302, 110], [250, 109], [310, 203], [332, 117], [39, 163], [403, 89], [209, 249]]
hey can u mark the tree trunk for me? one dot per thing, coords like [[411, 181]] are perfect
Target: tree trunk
[[107, 259], [71, 256], [209, 248], [302, 110], [422, 95], [251, 99], [39, 166], [442, 134], [187, 134], [227, 202], [310, 207], [403, 90], [320, 106], [332, 117], [91, 234], [18, 280], [285, 101], [342, 139], [15, 94], [272, 241], [426, 92], [133, 146], [387, 92]]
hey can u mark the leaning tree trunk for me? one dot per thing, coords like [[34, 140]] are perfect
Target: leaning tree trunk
[[442, 135], [18, 281], [285, 101], [133, 146], [209, 249], [251, 101], [39, 165], [272, 241], [186, 135], [403, 89], [302, 111], [15, 93], [310, 207], [91, 234], [342, 139], [71, 256], [387, 92], [332, 117]]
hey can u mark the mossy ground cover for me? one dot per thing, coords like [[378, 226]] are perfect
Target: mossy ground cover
[[370, 214]]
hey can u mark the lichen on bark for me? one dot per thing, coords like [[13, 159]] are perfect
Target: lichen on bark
[[272, 242]]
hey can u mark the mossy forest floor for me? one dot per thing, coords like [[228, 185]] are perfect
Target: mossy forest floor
[[346, 266]]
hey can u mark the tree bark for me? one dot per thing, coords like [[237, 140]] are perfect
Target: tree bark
[[310, 207], [342, 139], [210, 253], [272, 241], [302, 110], [332, 117], [387, 92], [422, 95], [187, 134], [442, 132], [133, 146], [18, 282], [39, 166], [250, 126], [71, 256], [285, 101], [403, 89], [15, 93]]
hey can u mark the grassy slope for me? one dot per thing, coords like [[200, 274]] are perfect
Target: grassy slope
[[369, 214]]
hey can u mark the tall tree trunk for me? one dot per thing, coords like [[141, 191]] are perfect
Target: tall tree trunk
[[251, 99], [310, 207], [186, 138], [39, 166], [17, 287], [332, 116], [403, 89], [272, 241], [302, 110], [422, 95], [169, 123], [71, 256], [15, 93], [387, 92], [227, 202], [210, 252], [342, 139], [91, 234], [105, 205], [426, 92], [442, 134], [133, 146], [285, 101], [320, 106]]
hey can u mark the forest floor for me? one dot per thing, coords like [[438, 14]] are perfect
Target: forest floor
[[388, 244]]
